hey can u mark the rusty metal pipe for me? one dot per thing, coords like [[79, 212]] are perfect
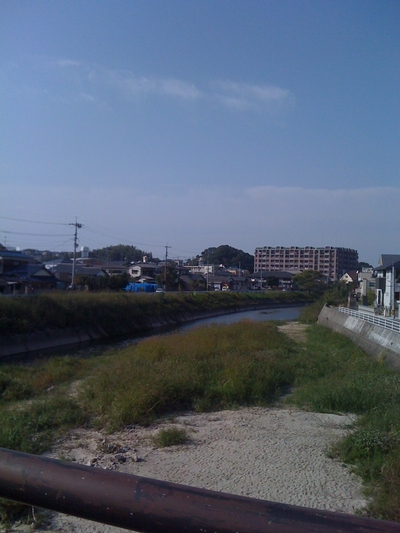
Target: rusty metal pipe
[[147, 505]]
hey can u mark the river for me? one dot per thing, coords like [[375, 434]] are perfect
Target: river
[[97, 348], [284, 313], [287, 313]]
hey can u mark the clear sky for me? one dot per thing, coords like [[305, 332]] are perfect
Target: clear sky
[[197, 123]]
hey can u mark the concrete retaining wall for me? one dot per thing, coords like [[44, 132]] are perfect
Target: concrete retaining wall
[[382, 344], [42, 341]]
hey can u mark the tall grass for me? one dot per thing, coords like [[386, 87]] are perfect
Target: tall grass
[[116, 312], [34, 405], [208, 368]]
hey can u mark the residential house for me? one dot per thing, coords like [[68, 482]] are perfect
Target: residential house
[[366, 284], [142, 271], [192, 282], [63, 273], [350, 277], [227, 281], [12, 260], [53, 263], [204, 269], [259, 279], [20, 274], [387, 287], [28, 280], [219, 283]]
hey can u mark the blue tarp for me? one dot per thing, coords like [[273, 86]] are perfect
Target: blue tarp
[[141, 287]]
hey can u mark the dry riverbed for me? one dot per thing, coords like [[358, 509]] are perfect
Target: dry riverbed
[[276, 454]]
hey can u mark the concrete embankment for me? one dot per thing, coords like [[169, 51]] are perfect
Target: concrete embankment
[[381, 343], [69, 337]]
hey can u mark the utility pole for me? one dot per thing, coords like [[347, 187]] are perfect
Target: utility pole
[[393, 293], [208, 267], [74, 255], [165, 266]]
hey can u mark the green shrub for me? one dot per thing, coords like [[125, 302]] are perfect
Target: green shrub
[[170, 437]]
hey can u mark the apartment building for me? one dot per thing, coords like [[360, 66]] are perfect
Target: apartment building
[[330, 261]]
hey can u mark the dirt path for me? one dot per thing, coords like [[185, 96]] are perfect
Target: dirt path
[[295, 330]]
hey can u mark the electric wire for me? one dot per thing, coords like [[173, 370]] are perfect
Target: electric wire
[[89, 230], [35, 221], [34, 234]]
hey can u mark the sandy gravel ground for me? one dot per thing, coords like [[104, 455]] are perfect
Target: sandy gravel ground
[[275, 454]]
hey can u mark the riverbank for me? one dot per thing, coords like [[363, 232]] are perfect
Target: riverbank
[[381, 343], [51, 322]]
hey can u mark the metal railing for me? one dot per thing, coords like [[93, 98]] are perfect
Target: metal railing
[[151, 506], [388, 323]]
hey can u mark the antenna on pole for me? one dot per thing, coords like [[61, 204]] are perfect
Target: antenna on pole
[[77, 225]]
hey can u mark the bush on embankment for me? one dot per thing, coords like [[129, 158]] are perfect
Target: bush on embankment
[[116, 312], [334, 296]]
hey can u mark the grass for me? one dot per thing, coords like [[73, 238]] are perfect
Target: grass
[[116, 312], [336, 376], [209, 368], [206, 369], [172, 436]]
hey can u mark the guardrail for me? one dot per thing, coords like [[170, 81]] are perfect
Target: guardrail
[[388, 323], [151, 506]]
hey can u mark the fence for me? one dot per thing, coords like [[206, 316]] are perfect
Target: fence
[[151, 506], [388, 323]]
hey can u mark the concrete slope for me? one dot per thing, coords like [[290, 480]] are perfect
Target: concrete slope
[[381, 343]]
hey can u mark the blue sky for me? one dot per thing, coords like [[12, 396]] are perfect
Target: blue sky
[[198, 123]]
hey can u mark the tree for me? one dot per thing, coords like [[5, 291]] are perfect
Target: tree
[[363, 264], [120, 252], [371, 297], [116, 282], [228, 256], [272, 281], [168, 278], [310, 281]]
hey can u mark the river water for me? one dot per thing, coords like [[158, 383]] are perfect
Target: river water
[[288, 313]]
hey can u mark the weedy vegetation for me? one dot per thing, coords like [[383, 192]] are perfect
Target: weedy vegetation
[[172, 436], [116, 312], [209, 368]]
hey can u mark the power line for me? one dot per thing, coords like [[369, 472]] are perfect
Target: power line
[[35, 221], [35, 234]]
